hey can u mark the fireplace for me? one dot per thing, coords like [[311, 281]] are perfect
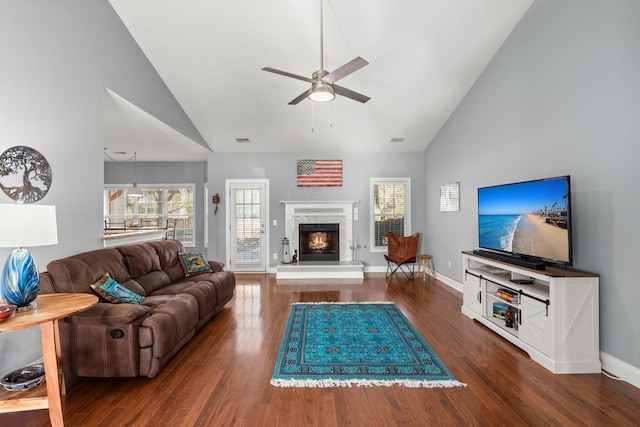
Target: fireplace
[[335, 219], [319, 242], [322, 213]]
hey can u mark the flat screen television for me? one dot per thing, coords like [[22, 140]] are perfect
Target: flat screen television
[[527, 220]]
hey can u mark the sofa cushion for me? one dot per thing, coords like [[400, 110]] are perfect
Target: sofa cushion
[[155, 301], [203, 291], [194, 263], [168, 324], [133, 286], [114, 292], [167, 251], [224, 283], [140, 259], [77, 272]]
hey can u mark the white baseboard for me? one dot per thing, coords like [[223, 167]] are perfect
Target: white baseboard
[[449, 282], [441, 277], [620, 369]]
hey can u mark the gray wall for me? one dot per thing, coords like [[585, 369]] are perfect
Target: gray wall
[[57, 57], [280, 170], [560, 97], [165, 173]]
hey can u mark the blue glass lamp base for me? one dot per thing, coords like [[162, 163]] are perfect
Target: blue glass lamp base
[[28, 307], [20, 282]]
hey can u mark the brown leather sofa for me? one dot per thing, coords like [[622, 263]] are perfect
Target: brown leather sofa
[[128, 340]]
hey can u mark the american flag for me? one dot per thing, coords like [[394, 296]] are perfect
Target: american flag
[[319, 173]]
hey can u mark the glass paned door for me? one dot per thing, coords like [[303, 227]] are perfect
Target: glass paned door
[[247, 226]]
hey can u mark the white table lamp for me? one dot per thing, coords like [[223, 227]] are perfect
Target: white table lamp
[[24, 225]]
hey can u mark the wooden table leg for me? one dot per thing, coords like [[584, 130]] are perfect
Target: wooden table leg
[[49, 353], [56, 331]]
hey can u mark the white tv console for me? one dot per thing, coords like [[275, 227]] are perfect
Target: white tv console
[[556, 318]]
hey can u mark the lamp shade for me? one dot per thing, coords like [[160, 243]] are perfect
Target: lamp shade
[[27, 225]]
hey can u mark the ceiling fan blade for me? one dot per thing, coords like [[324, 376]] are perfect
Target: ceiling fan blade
[[284, 73], [350, 94], [299, 98], [348, 68]]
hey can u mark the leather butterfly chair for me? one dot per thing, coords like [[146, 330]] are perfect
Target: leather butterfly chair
[[403, 251]]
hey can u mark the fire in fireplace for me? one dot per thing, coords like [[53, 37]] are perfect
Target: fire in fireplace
[[319, 242]]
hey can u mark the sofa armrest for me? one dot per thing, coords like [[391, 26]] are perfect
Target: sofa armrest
[[216, 265], [47, 285], [106, 313]]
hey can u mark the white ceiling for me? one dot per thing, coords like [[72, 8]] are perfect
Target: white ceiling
[[424, 55]]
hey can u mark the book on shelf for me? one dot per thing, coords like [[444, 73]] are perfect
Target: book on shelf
[[509, 315], [500, 310], [508, 295]]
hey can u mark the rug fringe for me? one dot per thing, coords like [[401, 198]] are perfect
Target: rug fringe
[[343, 302], [327, 383]]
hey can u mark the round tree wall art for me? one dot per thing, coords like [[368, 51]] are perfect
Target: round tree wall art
[[25, 175]]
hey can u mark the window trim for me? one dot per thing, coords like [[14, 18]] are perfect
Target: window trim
[[407, 214]]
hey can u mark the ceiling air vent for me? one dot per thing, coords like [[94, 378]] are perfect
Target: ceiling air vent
[[243, 140], [393, 140]]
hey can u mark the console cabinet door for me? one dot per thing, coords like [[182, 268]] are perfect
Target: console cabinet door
[[534, 329], [472, 295]]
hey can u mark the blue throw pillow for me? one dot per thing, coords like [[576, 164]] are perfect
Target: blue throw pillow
[[114, 292], [194, 263]]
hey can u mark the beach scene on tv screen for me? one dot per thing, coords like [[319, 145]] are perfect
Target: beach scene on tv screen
[[527, 218]]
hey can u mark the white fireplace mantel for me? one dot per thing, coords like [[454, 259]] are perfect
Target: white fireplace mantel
[[342, 212]]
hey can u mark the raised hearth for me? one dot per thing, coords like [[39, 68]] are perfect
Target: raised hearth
[[321, 270]]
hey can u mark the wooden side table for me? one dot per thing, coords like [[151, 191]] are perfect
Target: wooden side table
[[424, 262], [50, 308]]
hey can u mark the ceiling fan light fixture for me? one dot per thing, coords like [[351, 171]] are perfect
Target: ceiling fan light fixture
[[321, 92], [322, 81]]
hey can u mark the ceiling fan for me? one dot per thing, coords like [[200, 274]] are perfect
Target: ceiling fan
[[323, 87]]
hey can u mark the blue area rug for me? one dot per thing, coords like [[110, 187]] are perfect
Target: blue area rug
[[364, 344]]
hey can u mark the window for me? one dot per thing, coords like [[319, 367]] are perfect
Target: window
[[158, 207], [390, 210]]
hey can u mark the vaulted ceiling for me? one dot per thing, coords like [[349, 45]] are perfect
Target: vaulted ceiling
[[424, 55]]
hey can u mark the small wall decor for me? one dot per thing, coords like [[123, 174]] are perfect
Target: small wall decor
[[25, 175], [450, 197], [216, 200], [319, 173]]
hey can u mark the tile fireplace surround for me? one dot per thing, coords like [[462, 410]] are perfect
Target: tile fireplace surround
[[321, 212]]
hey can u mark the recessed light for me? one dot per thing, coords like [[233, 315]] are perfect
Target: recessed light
[[397, 140], [243, 140]]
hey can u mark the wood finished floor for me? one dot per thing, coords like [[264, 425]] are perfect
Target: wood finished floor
[[221, 378]]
